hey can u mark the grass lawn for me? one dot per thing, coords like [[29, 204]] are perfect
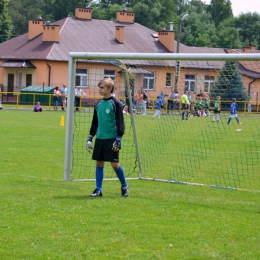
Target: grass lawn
[[43, 217]]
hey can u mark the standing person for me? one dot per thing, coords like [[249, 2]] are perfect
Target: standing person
[[37, 108], [139, 102], [162, 97], [158, 106], [170, 102], [184, 106], [233, 112], [108, 126], [145, 97], [1, 107], [206, 104], [56, 95], [217, 108], [64, 92], [78, 93], [249, 107], [176, 100], [190, 98]]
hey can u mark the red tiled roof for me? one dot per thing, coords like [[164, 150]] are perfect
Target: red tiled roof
[[78, 35]]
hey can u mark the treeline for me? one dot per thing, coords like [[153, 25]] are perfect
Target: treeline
[[212, 25]]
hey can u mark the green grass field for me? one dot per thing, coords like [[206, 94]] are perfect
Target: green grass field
[[43, 217]]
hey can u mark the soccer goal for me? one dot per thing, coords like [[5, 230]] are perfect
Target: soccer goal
[[198, 147]]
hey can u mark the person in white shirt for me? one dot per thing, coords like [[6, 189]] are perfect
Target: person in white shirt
[[78, 93]]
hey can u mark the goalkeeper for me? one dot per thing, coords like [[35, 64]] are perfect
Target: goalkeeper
[[108, 126]]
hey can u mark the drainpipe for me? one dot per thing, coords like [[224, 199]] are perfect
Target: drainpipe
[[49, 74], [249, 87]]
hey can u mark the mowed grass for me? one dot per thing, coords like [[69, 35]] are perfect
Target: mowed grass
[[43, 217]]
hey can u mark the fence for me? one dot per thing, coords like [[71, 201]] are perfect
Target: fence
[[17, 100]]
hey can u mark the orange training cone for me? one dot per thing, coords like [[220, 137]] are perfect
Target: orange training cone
[[62, 121]]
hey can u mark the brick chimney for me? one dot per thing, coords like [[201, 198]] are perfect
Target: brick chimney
[[83, 13], [51, 33], [35, 28], [167, 39], [248, 48], [120, 33], [125, 16]]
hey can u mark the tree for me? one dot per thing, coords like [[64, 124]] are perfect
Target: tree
[[228, 35], [198, 30], [248, 26], [220, 10], [5, 21], [230, 84]]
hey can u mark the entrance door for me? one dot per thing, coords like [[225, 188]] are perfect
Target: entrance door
[[10, 85], [28, 80]]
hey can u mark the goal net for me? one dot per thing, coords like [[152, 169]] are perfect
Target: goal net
[[161, 141]]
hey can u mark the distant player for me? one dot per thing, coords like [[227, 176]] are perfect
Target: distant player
[[185, 106], [233, 112], [217, 108], [158, 106]]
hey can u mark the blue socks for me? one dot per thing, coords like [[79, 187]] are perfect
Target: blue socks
[[121, 176], [99, 177]]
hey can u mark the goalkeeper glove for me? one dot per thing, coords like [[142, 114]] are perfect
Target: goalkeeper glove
[[117, 144], [89, 144]]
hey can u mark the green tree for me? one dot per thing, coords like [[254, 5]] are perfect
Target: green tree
[[228, 34], [198, 30], [23, 10], [230, 84], [5, 21], [248, 26], [220, 10]]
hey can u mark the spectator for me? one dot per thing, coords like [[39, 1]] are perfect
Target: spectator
[[37, 107], [249, 107], [139, 102], [125, 109], [78, 94], [171, 102], [56, 96], [64, 92], [145, 97], [162, 97], [1, 107], [176, 100]]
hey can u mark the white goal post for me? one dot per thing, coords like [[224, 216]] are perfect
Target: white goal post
[[89, 56]]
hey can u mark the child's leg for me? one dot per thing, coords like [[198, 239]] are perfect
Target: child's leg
[[120, 175], [229, 120], [237, 120], [99, 176]]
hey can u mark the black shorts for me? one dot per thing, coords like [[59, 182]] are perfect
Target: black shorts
[[184, 106], [103, 151], [216, 112]]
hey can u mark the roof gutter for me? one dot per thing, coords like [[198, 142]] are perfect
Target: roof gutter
[[49, 74], [249, 86]]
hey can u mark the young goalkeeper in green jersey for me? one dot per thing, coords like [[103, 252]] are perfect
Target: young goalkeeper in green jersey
[[108, 126]]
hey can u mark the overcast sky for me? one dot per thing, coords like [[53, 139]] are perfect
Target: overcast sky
[[242, 6]]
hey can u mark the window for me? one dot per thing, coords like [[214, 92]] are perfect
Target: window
[[19, 79], [168, 80], [148, 81], [189, 82], [110, 74], [81, 77], [208, 83]]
